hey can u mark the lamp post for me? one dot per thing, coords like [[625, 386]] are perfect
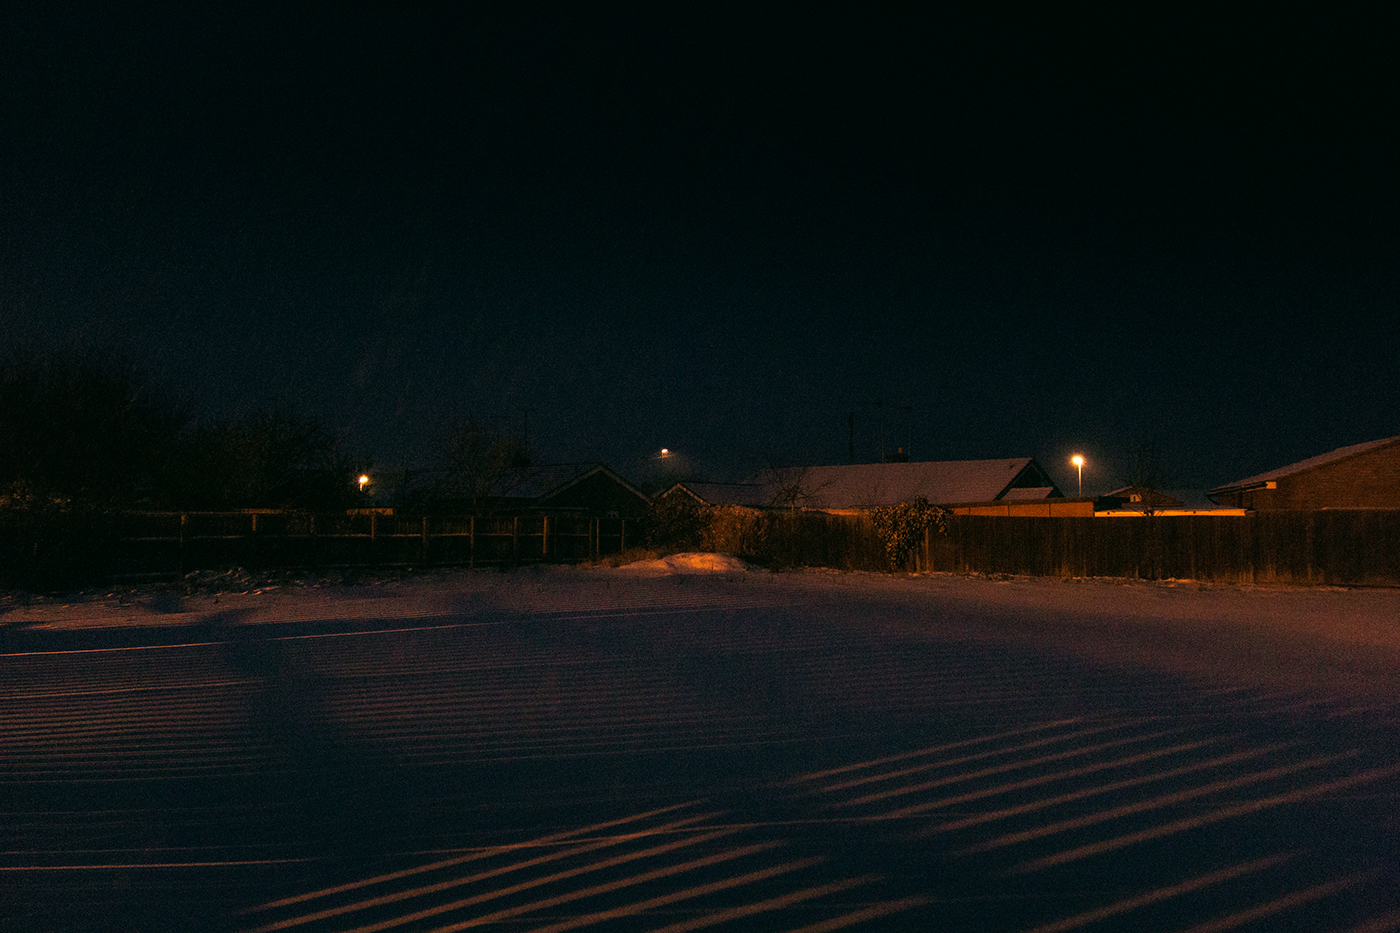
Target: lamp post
[[1078, 462]]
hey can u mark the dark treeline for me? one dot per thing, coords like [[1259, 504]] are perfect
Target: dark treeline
[[83, 437], [94, 432], [86, 436]]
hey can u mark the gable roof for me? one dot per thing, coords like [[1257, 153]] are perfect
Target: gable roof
[[537, 485], [941, 482], [1332, 456], [618, 489]]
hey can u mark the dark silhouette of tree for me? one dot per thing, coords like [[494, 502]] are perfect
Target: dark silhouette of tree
[[791, 487], [81, 436], [273, 457], [88, 430], [1146, 474], [482, 465]]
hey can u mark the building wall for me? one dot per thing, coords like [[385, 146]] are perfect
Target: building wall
[[1038, 508], [1369, 480]]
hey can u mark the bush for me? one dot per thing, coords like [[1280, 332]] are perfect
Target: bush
[[736, 531], [774, 539], [676, 523], [902, 526]]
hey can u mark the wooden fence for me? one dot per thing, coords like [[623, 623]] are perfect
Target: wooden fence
[[1336, 547], [165, 542]]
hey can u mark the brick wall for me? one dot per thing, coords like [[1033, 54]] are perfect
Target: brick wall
[[1367, 480]]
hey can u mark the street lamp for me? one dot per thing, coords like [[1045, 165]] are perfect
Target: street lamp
[[1078, 462], [363, 481]]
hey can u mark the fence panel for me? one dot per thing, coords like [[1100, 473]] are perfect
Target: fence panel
[[1340, 547], [174, 542]]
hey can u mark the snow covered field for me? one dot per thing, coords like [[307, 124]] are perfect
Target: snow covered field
[[1348, 637], [961, 753]]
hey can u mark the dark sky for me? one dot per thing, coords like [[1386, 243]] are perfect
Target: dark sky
[[722, 232]]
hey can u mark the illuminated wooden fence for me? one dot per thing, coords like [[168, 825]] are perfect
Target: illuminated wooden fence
[[1343, 547]]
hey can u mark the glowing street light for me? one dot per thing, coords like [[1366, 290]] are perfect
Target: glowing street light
[[363, 481], [1078, 462]]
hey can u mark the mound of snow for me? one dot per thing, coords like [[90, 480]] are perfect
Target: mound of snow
[[691, 563]]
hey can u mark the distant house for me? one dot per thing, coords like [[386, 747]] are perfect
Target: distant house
[[1140, 500], [1015, 486], [594, 490], [586, 489], [1362, 476]]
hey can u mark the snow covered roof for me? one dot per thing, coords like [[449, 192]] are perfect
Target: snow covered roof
[[1341, 453], [941, 482], [619, 486]]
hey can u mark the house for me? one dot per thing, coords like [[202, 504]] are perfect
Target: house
[[1141, 500], [1014, 486], [594, 490], [586, 489], [1362, 476]]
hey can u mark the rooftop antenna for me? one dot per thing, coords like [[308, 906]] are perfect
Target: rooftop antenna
[[881, 406], [908, 430]]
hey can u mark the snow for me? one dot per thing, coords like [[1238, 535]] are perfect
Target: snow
[[1349, 638], [689, 563]]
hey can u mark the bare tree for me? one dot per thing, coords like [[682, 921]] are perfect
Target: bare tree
[[792, 487], [483, 465], [1147, 474], [269, 455]]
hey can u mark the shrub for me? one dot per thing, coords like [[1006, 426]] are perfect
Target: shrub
[[902, 526], [676, 523], [737, 531]]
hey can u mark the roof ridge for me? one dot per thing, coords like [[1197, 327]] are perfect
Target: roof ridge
[[1331, 456]]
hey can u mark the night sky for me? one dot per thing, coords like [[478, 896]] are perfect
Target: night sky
[[722, 231]]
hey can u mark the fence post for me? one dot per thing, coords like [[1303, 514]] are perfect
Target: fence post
[[515, 540], [544, 539], [180, 559], [425, 539], [471, 542]]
